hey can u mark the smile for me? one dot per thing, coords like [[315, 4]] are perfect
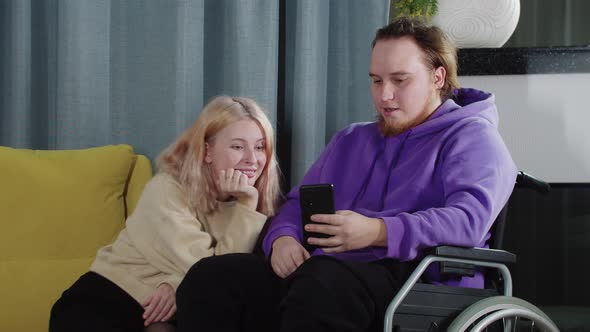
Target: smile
[[249, 173]]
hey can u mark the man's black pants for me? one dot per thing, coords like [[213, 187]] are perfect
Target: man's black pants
[[240, 292]]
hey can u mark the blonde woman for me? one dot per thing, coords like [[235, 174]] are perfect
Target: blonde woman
[[215, 187]]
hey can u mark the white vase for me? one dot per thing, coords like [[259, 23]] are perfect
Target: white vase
[[478, 23]]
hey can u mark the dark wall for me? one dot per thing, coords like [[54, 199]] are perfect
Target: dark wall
[[551, 236]]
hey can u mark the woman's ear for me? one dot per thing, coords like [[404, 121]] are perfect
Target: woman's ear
[[208, 158]]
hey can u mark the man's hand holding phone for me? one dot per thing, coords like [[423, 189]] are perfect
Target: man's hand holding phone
[[336, 231], [315, 199], [333, 231], [347, 230]]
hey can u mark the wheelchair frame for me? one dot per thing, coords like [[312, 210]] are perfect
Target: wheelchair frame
[[486, 310], [497, 311]]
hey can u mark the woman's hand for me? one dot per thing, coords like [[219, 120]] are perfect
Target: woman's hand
[[287, 255], [160, 306], [234, 183]]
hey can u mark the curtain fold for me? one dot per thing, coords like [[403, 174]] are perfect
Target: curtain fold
[[306, 79], [328, 46], [15, 98], [82, 73]]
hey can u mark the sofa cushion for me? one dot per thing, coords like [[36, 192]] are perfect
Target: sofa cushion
[[57, 209]]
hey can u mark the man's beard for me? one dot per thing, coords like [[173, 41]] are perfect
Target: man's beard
[[389, 129]]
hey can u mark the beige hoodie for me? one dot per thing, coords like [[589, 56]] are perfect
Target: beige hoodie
[[163, 238]]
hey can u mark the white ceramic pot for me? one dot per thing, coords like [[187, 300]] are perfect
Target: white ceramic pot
[[478, 23]]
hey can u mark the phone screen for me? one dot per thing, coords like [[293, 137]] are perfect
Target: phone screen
[[315, 199]]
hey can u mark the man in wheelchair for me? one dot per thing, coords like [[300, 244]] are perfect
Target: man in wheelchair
[[431, 170]]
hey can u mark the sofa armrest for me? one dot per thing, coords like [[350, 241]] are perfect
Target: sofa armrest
[[140, 174]]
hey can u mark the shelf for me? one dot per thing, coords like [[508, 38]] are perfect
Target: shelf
[[524, 60]]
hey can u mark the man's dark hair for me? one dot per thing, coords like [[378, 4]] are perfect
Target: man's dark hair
[[438, 49]]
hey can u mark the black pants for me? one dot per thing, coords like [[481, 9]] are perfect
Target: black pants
[[239, 292], [94, 303]]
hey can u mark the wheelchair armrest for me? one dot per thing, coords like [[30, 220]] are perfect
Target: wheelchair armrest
[[482, 254], [489, 258]]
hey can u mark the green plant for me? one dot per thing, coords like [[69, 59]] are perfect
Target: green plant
[[415, 8]]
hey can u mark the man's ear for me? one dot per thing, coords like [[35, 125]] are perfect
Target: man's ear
[[440, 74], [208, 158]]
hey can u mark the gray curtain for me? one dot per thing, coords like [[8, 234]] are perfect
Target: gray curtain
[[546, 23], [328, 46], [82, 73]]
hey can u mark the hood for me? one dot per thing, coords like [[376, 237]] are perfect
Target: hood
[[465, 104]]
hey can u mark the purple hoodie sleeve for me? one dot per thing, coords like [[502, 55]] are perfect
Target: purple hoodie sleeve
[[287, 222], [478, 176]]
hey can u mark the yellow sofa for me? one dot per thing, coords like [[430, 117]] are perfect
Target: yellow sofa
[[56, 209]]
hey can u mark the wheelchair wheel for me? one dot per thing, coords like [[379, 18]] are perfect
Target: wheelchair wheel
[[502, 309]]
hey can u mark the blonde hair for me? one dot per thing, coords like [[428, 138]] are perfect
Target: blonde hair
[[185, 158]]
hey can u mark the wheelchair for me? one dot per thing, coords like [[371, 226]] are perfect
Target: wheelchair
[[426, 307]]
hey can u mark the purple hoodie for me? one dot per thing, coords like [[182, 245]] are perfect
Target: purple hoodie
[[442, 182]]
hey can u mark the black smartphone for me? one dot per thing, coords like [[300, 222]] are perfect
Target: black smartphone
[[315, 199]]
